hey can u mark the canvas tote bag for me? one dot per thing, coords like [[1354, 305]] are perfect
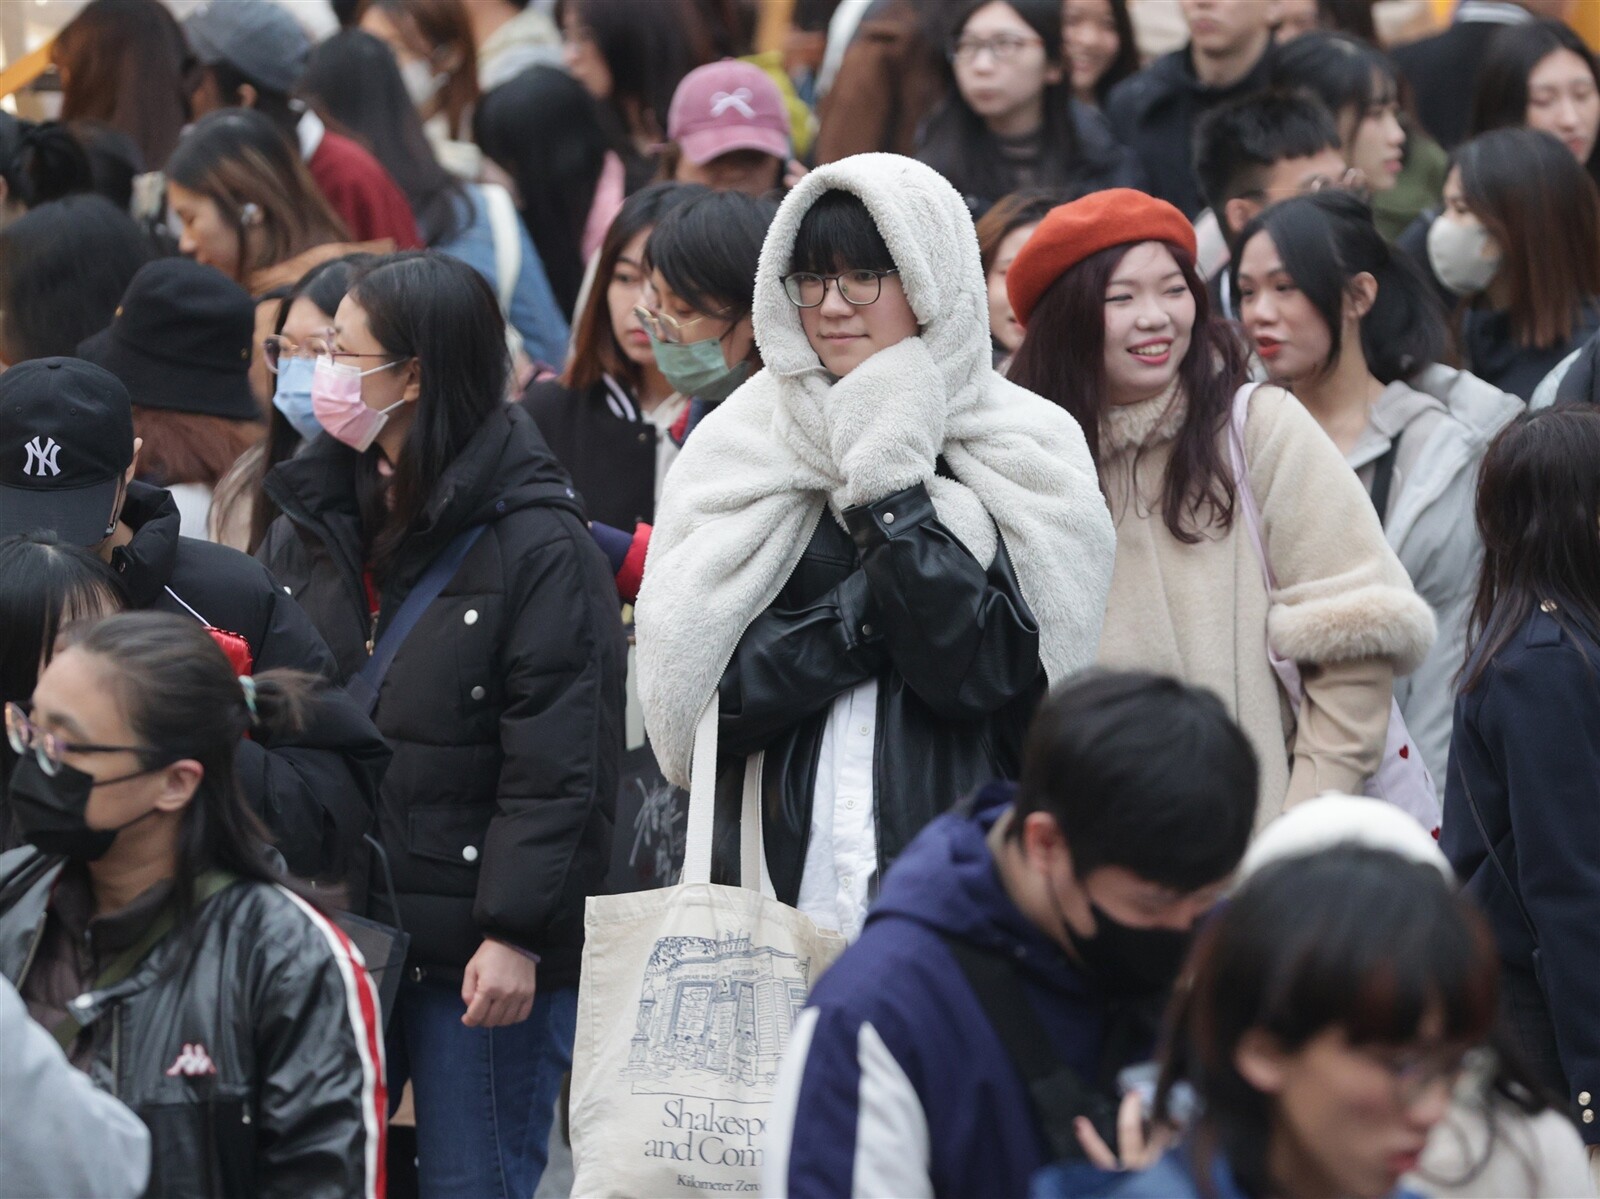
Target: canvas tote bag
[[1402, 779], [684, 1010]]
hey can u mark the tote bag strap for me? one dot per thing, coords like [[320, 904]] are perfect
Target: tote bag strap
[[1245, 506], [702, 826]]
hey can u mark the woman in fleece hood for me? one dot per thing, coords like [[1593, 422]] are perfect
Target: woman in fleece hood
[[877, 553]]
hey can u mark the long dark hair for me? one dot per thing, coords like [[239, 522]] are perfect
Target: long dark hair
[[595, 351], [1347, 74], [1500, 97], [1126, 60], [182, 699], [45, 585], [443, 25], [958, 144], [440, 311], [1543, 211], [1351, 938], [648, 49], [545, 131], [1070, 370], [124, 62], [237, 156], [324, 285], [64, 267], [1327, 238], [1538, 516], [354, 84]]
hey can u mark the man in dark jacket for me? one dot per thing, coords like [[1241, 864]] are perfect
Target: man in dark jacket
[[1155, 110], [1031, 934], [67, 462]]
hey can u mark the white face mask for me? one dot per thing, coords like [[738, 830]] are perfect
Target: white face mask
[[422, 84], [1456, 253]]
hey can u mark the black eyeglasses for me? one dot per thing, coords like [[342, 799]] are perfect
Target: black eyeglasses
[[807, 290], [24, 735]]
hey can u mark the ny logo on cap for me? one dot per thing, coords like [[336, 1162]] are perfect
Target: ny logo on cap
[[42, 456]]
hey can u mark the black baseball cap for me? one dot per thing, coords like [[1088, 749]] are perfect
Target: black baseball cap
[[66, 440]]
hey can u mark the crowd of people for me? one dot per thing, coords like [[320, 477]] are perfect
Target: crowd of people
[[1131, 522]]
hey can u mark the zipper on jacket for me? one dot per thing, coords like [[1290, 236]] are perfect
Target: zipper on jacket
[[33, 951], [372, 630], [116, 1051]]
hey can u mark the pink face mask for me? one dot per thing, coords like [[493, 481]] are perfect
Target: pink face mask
[[336, 401]]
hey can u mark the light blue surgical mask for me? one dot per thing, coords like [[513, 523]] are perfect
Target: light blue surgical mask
[[292, 397], [698, 369]]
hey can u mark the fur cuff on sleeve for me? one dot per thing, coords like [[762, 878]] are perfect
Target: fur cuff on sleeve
[[1374, 621]]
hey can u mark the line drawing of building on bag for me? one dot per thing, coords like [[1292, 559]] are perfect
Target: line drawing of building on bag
[[714, 1013]]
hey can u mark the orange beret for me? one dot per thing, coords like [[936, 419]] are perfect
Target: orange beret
[[1119, 216]]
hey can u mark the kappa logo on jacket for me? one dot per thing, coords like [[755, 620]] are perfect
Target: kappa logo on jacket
[[192, 1062]]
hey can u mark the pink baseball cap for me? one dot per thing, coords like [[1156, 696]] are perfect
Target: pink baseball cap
[[725, 106]]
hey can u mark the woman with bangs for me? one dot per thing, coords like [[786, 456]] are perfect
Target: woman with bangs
[[1156, 382], [1334, 1003], [876, 553], [1404, 168]]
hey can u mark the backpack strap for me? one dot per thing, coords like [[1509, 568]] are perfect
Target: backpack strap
[[1383, 478], [364, 685], [1056, 1093]]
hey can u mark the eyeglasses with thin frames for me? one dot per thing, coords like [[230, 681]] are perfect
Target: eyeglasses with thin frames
[[23, 735], [665, 327], [1004, 48]]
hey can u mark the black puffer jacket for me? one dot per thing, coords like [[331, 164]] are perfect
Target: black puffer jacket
[[248, 1043], [955, 651], [504, 705], [315, 789]]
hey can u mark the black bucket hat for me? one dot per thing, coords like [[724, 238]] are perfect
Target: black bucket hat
[[181, 340]]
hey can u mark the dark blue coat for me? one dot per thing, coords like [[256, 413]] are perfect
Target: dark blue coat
[[1526, 742], [899, 1084]]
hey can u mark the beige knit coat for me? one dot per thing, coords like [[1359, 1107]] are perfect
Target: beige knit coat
[[1345, 608]]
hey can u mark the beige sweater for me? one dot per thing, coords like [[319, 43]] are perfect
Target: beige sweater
[[1345, 609]]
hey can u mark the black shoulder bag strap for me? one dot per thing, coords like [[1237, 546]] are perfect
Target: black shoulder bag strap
[[1383, 478], [364, 685], [1057, 1094], [1500, 869]]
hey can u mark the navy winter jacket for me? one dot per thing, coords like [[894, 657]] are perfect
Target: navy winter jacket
[[895, 1082], [1527, 743]]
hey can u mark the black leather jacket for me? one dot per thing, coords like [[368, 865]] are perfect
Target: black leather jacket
[[955, 651], [247, 1042]]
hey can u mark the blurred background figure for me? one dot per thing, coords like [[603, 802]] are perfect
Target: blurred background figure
[[728, 128], [1002, 232], [126, 62], [63, 270], [181, 344], [1543, 76], [1100, 47]]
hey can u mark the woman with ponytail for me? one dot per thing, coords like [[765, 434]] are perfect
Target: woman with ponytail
[[144, 924], [1354, 331]]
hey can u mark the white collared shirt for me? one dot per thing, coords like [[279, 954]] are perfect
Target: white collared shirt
[[840, 873]]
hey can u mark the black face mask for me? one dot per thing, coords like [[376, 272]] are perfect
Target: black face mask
[[49, 810], [1126, 960]]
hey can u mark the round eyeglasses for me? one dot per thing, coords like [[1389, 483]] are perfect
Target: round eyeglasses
[[663, 326], [807, 290], [278, 349], [23, 736]]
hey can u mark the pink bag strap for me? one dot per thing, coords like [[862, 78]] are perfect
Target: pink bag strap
[[1245, 506]]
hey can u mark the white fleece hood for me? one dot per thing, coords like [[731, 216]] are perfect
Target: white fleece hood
[[744, 497]]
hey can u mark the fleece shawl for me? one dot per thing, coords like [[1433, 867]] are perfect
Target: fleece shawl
[[746, 493]]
